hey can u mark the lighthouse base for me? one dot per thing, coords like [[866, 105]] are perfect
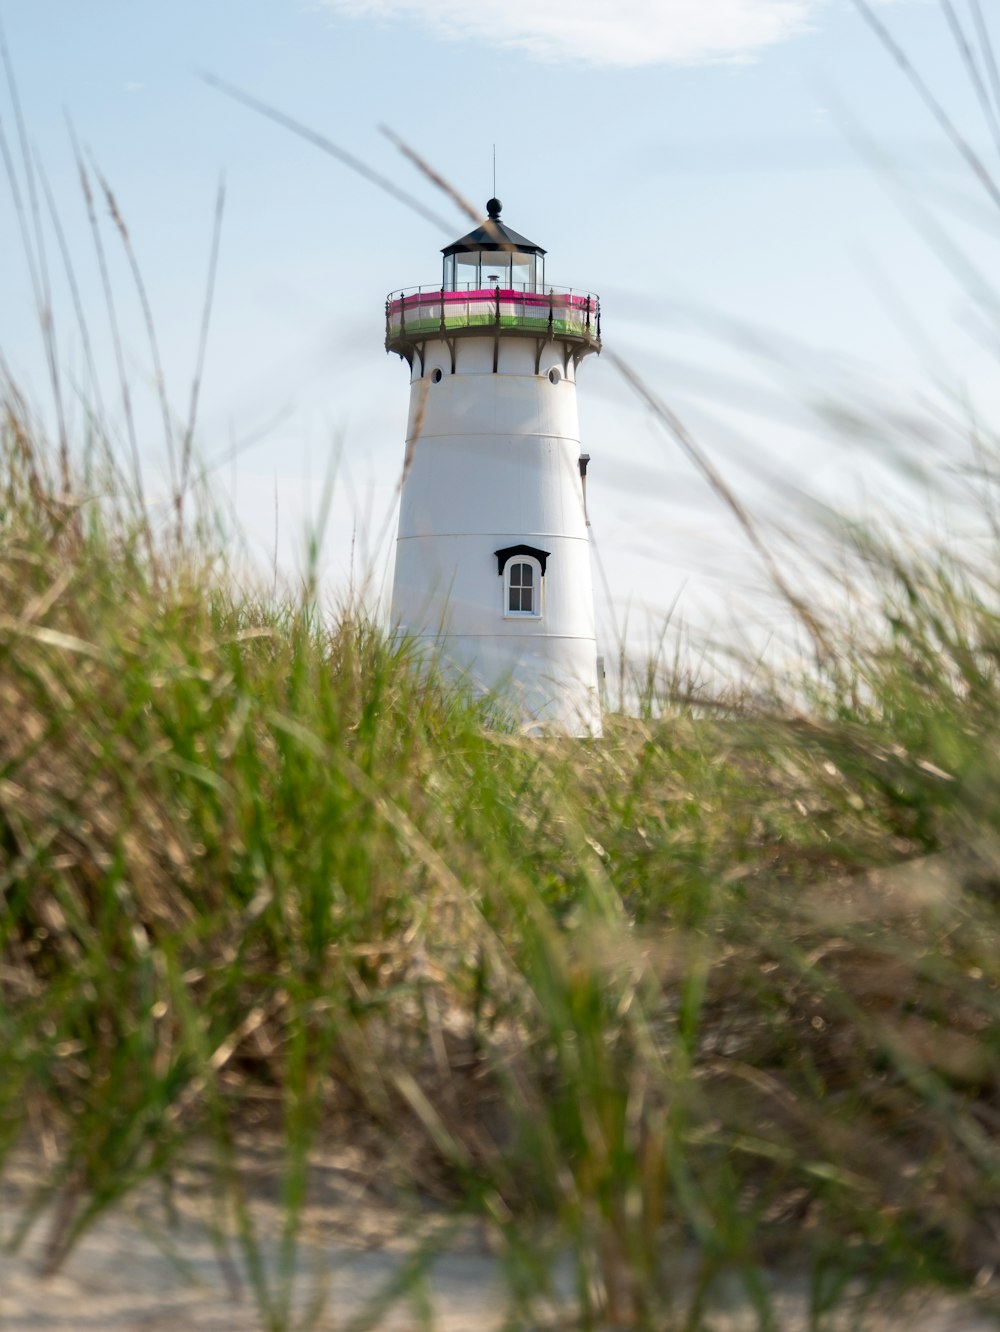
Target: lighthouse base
[[541, 695]]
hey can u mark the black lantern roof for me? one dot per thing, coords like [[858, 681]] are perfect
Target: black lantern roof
[[493, 235]]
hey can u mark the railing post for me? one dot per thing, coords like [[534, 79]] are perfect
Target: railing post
[[598, 319], [588, 312], [498, 305], [443, 325]]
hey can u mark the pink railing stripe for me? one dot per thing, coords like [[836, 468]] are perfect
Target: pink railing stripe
[[487, 295]]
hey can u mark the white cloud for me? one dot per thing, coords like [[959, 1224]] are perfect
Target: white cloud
[[605, 32]]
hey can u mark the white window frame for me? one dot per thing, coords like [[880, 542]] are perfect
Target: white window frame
[[538, 587]]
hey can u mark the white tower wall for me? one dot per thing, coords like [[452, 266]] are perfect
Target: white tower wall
[[493, 461]]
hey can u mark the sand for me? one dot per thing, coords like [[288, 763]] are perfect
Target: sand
[[161, 1261]]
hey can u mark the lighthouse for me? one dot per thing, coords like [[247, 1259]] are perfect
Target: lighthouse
[[493, 550]]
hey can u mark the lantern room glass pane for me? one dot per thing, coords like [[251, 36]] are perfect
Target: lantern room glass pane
[[495, 268], [522, 271], [466, 270]]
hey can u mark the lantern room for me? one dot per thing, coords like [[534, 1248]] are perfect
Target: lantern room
[[493, 256]]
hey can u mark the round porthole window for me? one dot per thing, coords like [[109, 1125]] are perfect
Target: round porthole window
[[436, 376], [555, 374]]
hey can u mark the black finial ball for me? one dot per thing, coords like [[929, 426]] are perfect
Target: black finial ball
[[493, 207]]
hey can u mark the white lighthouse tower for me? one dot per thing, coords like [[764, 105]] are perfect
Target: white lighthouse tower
[[493, 551]]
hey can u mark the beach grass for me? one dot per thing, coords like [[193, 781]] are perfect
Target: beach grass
[[711, 998]]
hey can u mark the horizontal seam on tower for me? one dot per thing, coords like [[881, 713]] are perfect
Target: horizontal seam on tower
[[490, 536], [490, 434], [503, 638]]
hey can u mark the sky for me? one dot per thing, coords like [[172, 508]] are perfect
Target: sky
[[788, 250]]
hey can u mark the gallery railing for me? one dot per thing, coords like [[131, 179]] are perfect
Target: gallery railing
[[420, 312]]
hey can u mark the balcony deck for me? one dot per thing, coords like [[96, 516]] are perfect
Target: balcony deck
[[417, 314]]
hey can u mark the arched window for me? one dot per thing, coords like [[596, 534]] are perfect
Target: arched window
[[522, 591], [523, 572]]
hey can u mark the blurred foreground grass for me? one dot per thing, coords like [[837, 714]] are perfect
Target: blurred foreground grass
[[714, 995]]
